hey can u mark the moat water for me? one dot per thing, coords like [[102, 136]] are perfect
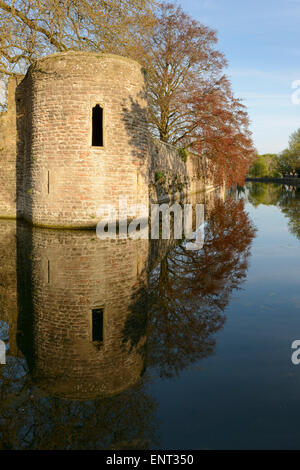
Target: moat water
[[124, 344]]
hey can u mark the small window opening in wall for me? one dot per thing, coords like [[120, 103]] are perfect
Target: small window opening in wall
[[48, 182], [97, 324], [97, 130], [48, 272]]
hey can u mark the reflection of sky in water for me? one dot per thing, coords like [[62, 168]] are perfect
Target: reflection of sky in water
[[247, 394], [4, 334], [15, 367], [4, 330]]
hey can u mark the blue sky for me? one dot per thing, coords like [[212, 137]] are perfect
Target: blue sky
[[261, 41]]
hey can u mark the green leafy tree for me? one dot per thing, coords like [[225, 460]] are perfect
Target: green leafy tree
[[288, 162], [265, 165], [282, 164], [294, 142], [259, 168]]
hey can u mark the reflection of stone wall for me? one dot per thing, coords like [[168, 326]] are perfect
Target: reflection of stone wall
[[71, 273], [211, 198], [75, 281], [8, 280]]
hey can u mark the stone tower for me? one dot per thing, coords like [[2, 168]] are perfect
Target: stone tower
[[82, 138]]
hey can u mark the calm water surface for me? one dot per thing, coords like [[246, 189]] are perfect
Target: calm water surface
[[123, 344]]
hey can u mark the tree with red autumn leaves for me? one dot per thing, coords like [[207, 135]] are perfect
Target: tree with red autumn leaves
[[221, 134], [191, 102]]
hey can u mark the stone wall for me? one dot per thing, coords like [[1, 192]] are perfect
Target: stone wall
[[170, 175], [62, 178], [8, 142], [58, 178]]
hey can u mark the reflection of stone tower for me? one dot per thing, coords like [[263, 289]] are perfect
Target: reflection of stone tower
[[75, 300], [8, 281], [83, 139]]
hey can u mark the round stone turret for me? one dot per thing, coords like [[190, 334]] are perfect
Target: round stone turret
[[84, 138]]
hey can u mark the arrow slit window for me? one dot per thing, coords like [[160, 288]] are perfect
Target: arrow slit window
[[97, 325], [97, 126]]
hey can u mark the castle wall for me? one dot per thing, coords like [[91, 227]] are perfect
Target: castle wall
[[65, 178], [59, 179], [8, 142], [170, 175]]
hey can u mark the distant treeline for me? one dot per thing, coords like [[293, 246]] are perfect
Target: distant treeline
[[286, 163]]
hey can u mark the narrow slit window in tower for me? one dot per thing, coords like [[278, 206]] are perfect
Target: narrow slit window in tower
[[97, 129], [97, 324]]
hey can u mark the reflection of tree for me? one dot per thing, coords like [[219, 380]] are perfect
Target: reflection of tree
[[29, 420], [190, 290], [286, 197], [290, 206], [265, 193], [180, 312]]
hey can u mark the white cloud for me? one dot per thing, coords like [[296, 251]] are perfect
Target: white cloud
[[270, 121], [262, 74], [282, 102]]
